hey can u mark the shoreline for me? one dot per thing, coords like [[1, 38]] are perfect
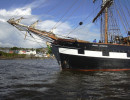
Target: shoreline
[[13, 58]]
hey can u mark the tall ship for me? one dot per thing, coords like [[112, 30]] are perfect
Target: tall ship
[[111, 53]]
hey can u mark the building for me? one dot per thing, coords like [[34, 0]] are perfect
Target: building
[[22, 52], [30, 52]]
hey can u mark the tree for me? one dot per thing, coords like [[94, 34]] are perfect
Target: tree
[[15, 48], [49, 49], [37, 50]]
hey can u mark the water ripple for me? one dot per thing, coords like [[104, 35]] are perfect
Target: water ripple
[[43, 80]]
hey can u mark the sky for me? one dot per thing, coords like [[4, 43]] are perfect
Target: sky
[[62, 15]]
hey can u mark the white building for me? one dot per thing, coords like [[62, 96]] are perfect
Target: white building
[[30, 52], [22, 52]]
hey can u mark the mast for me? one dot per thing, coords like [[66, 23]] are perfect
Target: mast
[[106, 22], [105, 5]]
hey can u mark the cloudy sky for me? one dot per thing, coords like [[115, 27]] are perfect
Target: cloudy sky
[[62, 15]]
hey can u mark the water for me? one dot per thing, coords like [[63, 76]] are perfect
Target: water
[[44, 80]]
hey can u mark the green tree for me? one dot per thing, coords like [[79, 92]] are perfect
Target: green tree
[[37, 50], [49, 49], [15, 48]]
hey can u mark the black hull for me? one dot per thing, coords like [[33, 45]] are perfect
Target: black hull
[[79, 62], [88, 63]]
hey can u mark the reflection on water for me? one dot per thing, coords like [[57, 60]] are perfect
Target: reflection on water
[[43, 80]]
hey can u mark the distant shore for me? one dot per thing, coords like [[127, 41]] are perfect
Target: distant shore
[[16, 58], [9, 56]]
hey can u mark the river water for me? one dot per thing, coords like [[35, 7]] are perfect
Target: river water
[[44, 80]]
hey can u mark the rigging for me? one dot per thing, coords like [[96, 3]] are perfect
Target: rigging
[[70, 14], [65, 14]]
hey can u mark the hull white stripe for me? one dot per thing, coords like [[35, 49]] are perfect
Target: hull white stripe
[[89, 53]]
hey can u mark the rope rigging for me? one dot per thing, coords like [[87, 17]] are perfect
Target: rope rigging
[[113, 22], [117, 11], [57, 5], [127, 7], [80, 4], [123, 14], [65, 14], [81, 23], [31, 40], [113, 28], [35, 39]]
